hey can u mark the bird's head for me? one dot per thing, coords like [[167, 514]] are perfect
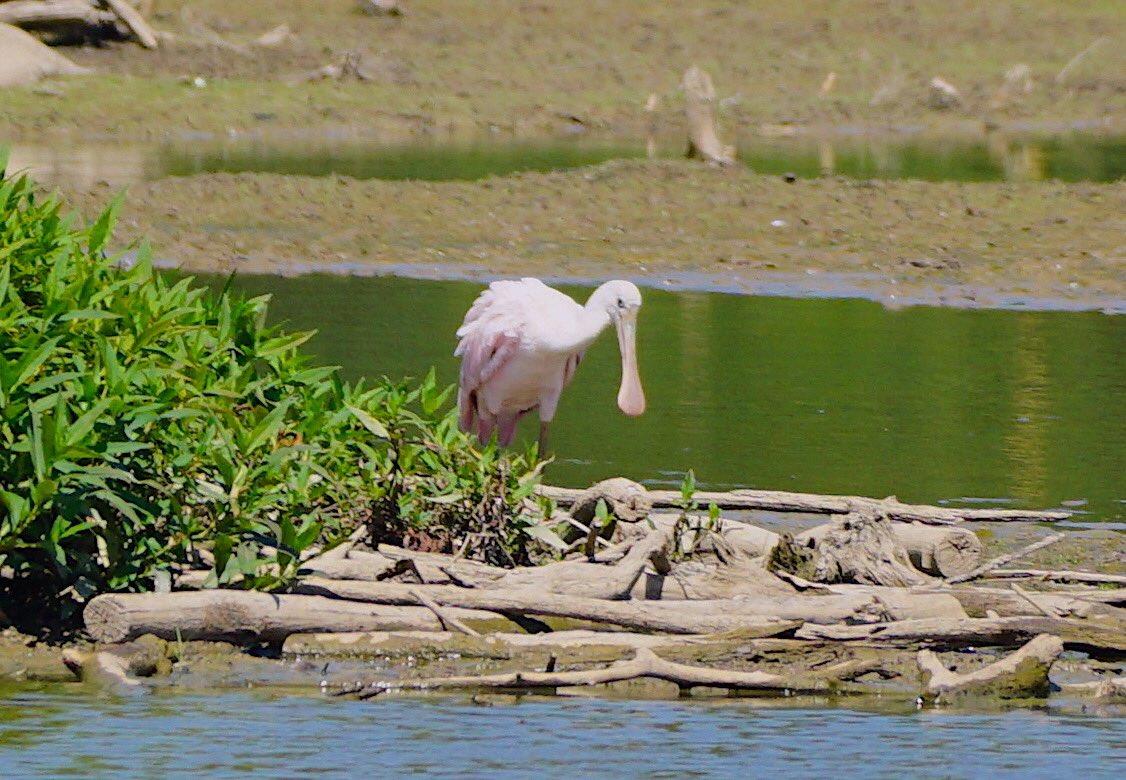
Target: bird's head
[[622, 299]]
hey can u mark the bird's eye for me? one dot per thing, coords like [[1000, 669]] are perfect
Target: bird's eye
[[621, 304]]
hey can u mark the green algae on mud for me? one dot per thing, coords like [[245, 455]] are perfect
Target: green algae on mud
[[458, 66], [1046, 244]]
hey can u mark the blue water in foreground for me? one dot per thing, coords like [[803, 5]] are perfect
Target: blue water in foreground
[[54, 733]]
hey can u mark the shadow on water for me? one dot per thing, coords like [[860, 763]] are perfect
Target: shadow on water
[[1069, 157], [1005, 408]]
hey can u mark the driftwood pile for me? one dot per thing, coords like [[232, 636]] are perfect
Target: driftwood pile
[[875, 593]]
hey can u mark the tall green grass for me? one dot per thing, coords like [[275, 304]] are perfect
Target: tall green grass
[[146, 423]]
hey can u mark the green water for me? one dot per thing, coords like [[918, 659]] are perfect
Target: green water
[[1005, 408], [1069, 157]]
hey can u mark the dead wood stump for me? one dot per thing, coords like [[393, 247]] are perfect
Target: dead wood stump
[[703, 139], [1019, 675], [860, 548]]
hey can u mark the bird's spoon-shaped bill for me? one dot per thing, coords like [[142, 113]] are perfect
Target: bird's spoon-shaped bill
[[631, 398]]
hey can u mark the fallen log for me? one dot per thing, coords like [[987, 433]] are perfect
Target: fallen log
[[766, 616], [1003, 602], [492, 645], [703, 580], [1090, 636], [1001, 560], [813, 503], [645, 663], [48, 13], [1081, 577], [247, 617], [1022, 674], [26, 59]]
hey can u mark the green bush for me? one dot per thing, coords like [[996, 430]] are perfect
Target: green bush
[[143, 419]]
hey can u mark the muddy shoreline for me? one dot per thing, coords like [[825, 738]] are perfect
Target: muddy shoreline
[[668, 223]]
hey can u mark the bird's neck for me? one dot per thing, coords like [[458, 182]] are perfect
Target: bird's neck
[[593, 319]]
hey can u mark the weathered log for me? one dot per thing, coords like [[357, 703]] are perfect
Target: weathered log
[[136, 23], [952, 633], [703, 140], [499, 644], [47, 13], [907, 601], [1002, 602], [25, 59], [1001, 560], [645, 663], [1019, 675], [625, 500], [247, 617], [939, 551], [767, 615], [591, 580], [704, 580], [813, 503], [1083, 577], [860, 548], [747, 539]]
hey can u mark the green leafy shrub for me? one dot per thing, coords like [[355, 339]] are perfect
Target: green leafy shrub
[[144, 419]]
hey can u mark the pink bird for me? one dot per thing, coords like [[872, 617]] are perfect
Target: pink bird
[[521, 343]]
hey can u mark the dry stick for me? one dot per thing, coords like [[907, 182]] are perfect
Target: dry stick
[[645, 663], [1001, 560], [782, 501], [1050, 611], [134, 21], [1082, 577], [1078, 58], [1106, 639], [448, 621]]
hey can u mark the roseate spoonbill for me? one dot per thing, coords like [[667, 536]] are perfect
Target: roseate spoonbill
[[521, 343]]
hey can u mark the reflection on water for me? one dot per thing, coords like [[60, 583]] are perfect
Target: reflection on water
[[53, 733], [836, 396], [1070, 157]]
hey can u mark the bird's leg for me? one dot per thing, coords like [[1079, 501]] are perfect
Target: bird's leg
[[543, 438]]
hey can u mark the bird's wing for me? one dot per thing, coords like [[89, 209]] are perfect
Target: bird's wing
[[491, 332]]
